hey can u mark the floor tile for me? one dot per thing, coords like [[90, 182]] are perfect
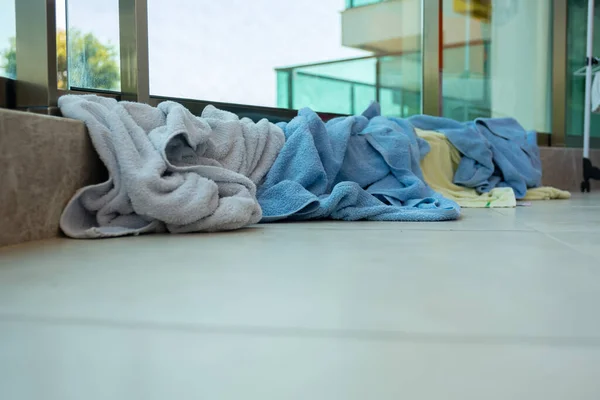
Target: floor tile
[[581, 214], [463, 282], [72, 362], [584, 242]]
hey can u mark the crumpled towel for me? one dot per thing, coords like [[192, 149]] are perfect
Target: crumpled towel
[[168, 169], [439, 167], [497, 152], [351, 168]]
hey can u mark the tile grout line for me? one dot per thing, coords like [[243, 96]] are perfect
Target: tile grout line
[[309, 333], [568, 245]]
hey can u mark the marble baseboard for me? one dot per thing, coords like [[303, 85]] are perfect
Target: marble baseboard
[[43, 161], [563, 167]]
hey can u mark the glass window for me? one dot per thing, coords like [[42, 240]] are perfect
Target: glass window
[[290, 54], [92, 43], [358, 3], [489, 69], [576, 43], [8, 55]]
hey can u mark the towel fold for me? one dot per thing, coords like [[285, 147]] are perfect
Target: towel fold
[[441, 163], [439, 167], [168, 169], [351, 168], [497, 152], [547, 193]]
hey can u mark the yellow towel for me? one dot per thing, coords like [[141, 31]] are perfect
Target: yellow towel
[[440, 164], [546, 193]]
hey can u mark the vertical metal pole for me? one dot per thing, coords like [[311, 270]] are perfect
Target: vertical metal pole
[[377, 79], [559, 71], [290, 91], [588, 80], [133, 32], [430, 44], [486, 76], [36, 54], [67, 49], [467, 71]]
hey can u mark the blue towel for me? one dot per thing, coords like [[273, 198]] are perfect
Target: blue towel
[[497, 152], [351, 168]]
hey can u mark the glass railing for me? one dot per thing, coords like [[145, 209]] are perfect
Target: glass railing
[[466, 82], [359, 3], [343, 87], [348, 86]]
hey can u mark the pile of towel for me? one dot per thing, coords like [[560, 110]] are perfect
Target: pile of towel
[[168, 169], [496, 152], [441, 164], [362, 167], [172, 171]]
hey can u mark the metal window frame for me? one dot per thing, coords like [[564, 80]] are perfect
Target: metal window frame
[[36, 47], [559, 72], [36, 83], [430, 49], [133, 35]]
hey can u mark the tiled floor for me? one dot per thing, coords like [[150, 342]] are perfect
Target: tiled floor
[[503, 304]]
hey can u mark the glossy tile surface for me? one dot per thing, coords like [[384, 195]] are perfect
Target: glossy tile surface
[[501, 304]]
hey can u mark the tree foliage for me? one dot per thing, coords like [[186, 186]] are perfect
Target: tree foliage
[[92, 63], [10, 59]]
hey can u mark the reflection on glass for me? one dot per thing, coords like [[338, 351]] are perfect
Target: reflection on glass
[[488, 69], [400, 79], [92, 45], [8, 54], [344, 87], [286, 53], [358, 3], [575, 85], [349, 86]]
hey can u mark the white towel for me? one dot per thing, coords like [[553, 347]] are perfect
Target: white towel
[[168, 169], [596, 93]]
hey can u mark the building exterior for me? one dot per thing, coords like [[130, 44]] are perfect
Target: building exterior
[[494, 60]]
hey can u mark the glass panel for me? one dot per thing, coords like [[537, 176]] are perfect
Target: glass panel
[[256, 55], [363, 96], [283, 92], [400, 82], [358, 3], [339, 87], [576, 42], [488, 69], [322, 93], [8, 55], [93, 44]]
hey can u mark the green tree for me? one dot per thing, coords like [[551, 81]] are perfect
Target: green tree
[[92, 63], [10, 59]]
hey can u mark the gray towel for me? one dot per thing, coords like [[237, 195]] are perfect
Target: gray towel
[[168, 169]]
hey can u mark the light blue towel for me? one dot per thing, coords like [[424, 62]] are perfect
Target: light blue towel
[[351, 168], [497, 152]]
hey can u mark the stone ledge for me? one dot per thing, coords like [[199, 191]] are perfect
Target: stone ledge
[[562, 167], [43, 161]]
